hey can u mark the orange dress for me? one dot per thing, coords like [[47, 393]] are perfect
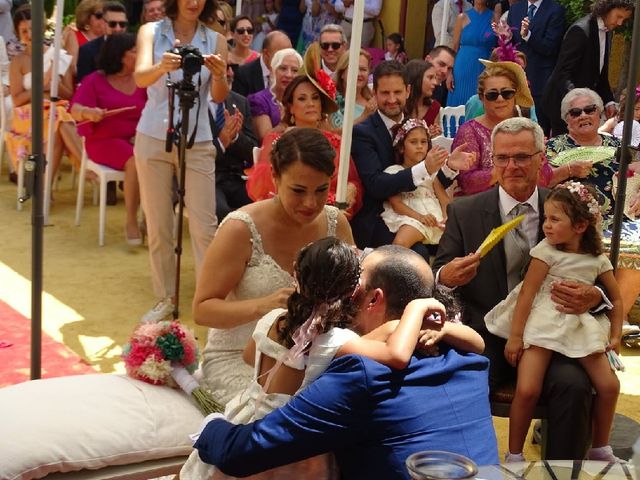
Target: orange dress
[[260, 184]]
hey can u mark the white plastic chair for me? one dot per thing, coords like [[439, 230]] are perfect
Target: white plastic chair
[[442, 141], [450, 120], [105, 174]]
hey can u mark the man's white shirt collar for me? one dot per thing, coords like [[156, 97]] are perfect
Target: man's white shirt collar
[[507, 202], [388, 122]]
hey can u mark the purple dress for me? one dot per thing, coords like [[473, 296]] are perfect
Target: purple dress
[[110, 141], [264, 103]]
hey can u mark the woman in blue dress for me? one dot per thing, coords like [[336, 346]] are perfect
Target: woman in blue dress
[[473, 39]]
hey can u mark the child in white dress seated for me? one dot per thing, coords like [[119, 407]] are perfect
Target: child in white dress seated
[[535, 328], [291, 348], [417, 216]]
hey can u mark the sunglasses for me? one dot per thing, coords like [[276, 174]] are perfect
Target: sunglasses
[[576, 112], [506, 93], [242, 31], [121, 24], [332, 45], [98, 15]]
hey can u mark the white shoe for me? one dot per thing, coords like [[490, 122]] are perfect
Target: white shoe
[[604, 454], [514, 457], [161, 310]]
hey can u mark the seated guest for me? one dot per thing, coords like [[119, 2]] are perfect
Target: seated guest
[[255, 75], [502, 88], [89, 26], [365, 102], [483, 283], [581, 109], [266, 104], [422, 78], [242, 33], [18, 138], [152, 11], [332, 43], [234, 139], [115, 20], [102, 107], [370, 415], [372, 151], [307, 103], [442, 58]]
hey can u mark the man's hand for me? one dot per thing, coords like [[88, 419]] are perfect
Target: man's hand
[[460, 160], [232, 126], [573, 297], [524, 27], [435, 159], [459, 271]]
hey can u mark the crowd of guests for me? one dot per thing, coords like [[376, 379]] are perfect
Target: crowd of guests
[[263, 160]]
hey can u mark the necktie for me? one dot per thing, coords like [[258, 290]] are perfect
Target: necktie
[[531, 11], [517, 248], [219, 116]]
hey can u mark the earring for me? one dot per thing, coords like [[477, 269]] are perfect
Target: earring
[[292, 120]]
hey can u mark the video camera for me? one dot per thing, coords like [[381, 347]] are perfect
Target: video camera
[[191, 60]]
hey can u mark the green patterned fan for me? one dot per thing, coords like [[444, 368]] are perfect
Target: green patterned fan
[[498, 234], [595, 154]]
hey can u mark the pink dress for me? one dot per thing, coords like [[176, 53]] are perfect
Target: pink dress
[[110, 141], [480, 177]]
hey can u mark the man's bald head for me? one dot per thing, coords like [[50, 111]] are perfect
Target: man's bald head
[[273, 42]]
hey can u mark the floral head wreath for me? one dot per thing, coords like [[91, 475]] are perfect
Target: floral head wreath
[[584, 195], [406, 127]]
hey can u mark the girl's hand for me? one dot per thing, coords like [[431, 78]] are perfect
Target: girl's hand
[[614, 344], [513, 350], [429, 220], [428, 308], [216, 65], [435, 130], [170, 62], [428, 342], [435, 159], [461, 160]]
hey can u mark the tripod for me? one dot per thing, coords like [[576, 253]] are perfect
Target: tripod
[[187, 94]]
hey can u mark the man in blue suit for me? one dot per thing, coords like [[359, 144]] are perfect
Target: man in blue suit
[[372, 152], [538, 27], [371, 416]]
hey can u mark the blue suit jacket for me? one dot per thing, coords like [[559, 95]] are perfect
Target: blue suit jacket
[[371, 416], [547, 29]]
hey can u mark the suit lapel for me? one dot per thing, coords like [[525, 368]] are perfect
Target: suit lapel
[[490, 220]]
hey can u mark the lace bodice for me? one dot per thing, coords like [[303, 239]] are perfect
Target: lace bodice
[[223, 369]]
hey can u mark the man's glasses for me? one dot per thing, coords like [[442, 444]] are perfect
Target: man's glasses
[[121, 24], [242, 31], [506, 93], [328, 45], [519, 159], [98, 15], [576, 112]]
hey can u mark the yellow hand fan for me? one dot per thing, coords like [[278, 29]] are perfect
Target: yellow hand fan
[[498, 234]]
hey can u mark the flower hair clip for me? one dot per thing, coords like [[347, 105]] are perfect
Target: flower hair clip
[[584, 195], [406, 127]]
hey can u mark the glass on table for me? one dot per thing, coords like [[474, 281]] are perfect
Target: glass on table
[[440, 465]]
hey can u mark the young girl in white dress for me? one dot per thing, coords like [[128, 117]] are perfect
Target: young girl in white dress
[[572, 249], [291, 348], [419, 215]]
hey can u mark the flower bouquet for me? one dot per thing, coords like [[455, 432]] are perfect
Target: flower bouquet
[[165, 353]]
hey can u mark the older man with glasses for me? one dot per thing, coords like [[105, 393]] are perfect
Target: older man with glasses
[[333, 43]]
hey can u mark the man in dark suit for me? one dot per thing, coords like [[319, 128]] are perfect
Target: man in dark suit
[[372, 152], [254, 76], [115, 19], [584, 59], [518, 146], [370, 415], [234, 139], [442, 58], [538, 28]]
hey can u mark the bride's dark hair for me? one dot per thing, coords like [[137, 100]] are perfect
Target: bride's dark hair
[[327, 272]]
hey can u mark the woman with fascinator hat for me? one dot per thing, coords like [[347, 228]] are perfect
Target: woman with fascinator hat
[[307, 101]]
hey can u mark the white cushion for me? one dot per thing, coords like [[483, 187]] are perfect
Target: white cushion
[[90, 422]]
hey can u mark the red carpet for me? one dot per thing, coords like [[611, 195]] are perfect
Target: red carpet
[[15, 351]]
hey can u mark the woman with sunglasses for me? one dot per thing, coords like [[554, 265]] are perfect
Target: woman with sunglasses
[[155, 64], [582, 109], [242, 33], [502, 86], [89, 25]]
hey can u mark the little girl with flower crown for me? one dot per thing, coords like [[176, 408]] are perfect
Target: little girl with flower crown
[[534, 328], [419, 215]]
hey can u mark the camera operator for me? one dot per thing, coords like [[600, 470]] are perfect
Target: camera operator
[[159, 61]]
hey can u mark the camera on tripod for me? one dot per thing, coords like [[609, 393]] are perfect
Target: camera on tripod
[[191, 60]]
